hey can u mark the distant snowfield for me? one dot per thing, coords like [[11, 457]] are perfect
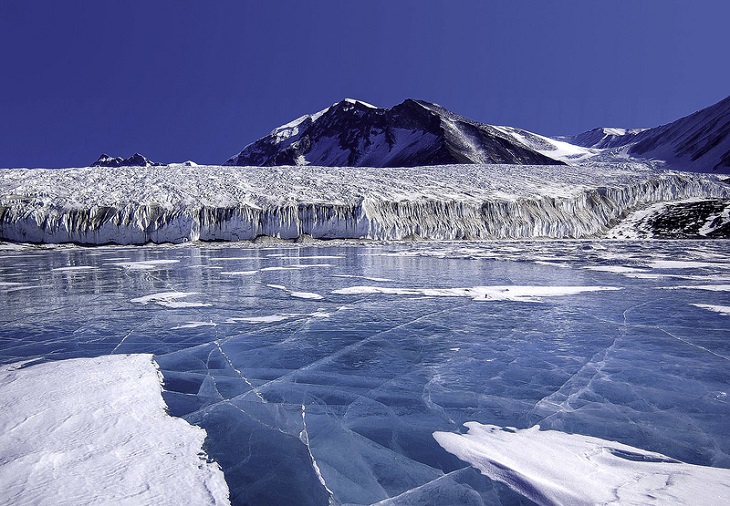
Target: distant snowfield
[[138, 205], [95, 431], [552, 467]]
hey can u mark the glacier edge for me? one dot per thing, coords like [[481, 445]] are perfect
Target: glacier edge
[[174, 205]]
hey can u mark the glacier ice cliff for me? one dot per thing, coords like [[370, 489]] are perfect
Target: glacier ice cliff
[[134, 205]]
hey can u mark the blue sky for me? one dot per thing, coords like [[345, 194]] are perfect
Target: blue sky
[[179, 79]]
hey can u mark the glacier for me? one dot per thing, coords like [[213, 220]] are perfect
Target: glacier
[[175, 204]]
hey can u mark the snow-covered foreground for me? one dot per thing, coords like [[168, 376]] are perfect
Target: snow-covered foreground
[[95, 431], [321, 372], [551, 467], [137, 205]]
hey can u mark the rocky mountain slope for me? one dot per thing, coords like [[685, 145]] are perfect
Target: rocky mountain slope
[[699, 142], [414, 133]]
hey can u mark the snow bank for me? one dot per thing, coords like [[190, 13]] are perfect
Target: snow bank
[[137, 205], [552, 467], [95, 431]]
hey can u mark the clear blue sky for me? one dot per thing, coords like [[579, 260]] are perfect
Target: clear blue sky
[[179, 79]]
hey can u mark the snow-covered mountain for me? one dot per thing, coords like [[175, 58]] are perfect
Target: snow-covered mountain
[[352, 133], [603, 138], [699, 142], [136, 160]]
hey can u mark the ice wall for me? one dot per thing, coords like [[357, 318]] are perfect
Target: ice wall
[[130, 206]]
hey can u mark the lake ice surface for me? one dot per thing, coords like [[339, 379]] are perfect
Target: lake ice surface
[[321, 373]]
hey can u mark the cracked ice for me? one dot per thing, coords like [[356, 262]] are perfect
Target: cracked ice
[[325, 383]]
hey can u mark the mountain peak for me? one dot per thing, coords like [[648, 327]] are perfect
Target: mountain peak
[[136, 160], [413, 133], [699, 142], [358, 102]]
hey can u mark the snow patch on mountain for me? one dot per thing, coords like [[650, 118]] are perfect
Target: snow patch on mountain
[[603, 138], [554, 148]]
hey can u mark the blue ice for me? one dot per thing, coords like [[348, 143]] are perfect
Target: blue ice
[[317, 386]]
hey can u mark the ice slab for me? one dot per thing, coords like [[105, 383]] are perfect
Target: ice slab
[[95, 431], [194, 325], [485, 293], [146, 265], [711, 288], [552, 467], [715, 308], [169, 299]]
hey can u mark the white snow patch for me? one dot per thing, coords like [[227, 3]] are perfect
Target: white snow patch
[[481, 293], [618, 269], [355, 101], [275, 318], [193, 325], [306, 295], [686, 264], [718, 309], [715, 221], [262, 319], [552, 467], [634, 225], [95, 431], [298, 295], [169, 299], [145, 265], [74, 268], [709, 288]]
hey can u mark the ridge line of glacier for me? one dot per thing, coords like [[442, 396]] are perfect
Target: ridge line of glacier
[[175, 204]]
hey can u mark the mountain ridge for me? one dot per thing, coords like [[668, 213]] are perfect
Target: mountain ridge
[[698, 142], [136, 160], [413, 133]]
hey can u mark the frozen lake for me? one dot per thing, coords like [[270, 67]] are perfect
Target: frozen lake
[[321, 373]]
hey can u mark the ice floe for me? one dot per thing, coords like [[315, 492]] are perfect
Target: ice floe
[[145, 265], [74, 268], [552, 467], [169, 299], [618, 269], [297, 294], [709, 288], [716, 308], [484, 293], [193, 325], [95, 431]]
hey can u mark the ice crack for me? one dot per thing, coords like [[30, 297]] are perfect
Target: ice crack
[[238, 371], [304, 438]]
